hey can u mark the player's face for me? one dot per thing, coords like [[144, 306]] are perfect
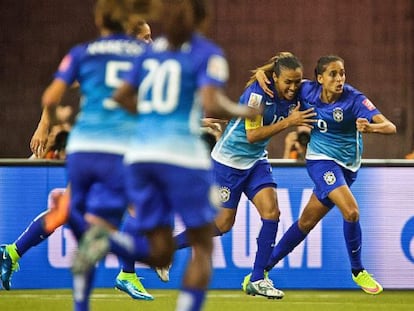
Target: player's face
[[288, 83], [333, 78], [145, 34]]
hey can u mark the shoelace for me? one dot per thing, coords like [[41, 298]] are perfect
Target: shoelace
[[367, 277], [268, 283]]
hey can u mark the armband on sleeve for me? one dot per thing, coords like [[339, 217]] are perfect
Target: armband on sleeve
[[251, 124]]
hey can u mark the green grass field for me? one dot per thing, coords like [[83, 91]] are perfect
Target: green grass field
[[300, 300]]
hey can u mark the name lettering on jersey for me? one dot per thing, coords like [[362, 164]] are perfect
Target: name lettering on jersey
[[120, 47], [218, 68], [254, 100], [338, 114], [367, 103]]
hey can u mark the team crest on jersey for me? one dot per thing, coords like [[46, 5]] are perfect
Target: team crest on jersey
[[367, 103], [224, 194], [291, 108], [329, 178], [254, 100], [338, 114]]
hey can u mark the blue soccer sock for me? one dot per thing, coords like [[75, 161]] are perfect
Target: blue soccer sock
[[190, 299], [129, 247], [181, 240], [265, 241], [82, 287], [292, 238], [32, 236], [77, 224], [128, 226], [353, 240]]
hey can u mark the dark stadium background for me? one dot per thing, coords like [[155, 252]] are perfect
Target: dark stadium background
[[374, 37]]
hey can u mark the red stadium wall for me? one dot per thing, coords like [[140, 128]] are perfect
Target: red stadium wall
[[374, 37]]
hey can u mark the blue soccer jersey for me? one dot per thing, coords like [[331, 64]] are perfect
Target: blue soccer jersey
[[335, 136], [169, 112], [233, 149], [99, 66]]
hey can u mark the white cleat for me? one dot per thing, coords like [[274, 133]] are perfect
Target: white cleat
[[163, 273], [264, 288]]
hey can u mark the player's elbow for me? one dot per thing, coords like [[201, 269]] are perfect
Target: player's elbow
[[252, 137]]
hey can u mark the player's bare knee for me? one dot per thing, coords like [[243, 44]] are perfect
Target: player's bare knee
[[306, 225], [224, 227], [270, 214], [351, 215]]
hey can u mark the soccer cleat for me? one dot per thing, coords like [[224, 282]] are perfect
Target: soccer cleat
[[163, 273], [93, 246], [130, 284], [264, 288], [367, 283], [246, 280], [7, 264]]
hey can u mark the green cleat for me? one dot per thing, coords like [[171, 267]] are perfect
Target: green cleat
[[131, 284], [8, 264], [246, 280], [93, 246], [367, 283], [264, 288]]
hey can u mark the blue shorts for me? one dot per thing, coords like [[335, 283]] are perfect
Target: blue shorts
[[233, 182], [160, 191], [327, 176], [98, 185]]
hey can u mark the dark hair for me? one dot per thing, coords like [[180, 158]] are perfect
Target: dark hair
[[60, 140], [324, 61], [303, 138], [114, 14], [282, 60], [285, 60], [201, 11], [181, 18]]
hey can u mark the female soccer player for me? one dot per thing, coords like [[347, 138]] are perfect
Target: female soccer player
[[99, 137], [45, 223], [333, 159], [179, 78], [241, 165]]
